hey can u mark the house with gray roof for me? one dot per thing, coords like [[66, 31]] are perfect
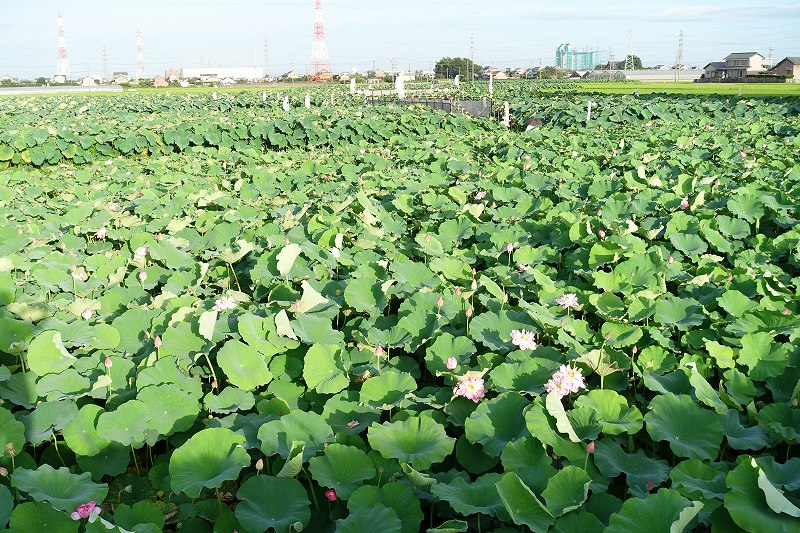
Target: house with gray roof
[[714, 70], [788, 66], [736, 65]]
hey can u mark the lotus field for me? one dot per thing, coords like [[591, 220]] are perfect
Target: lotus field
[[218, 316]]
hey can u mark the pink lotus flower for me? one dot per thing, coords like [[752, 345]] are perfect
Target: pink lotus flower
[[565, 380], [470, 388], [113, 206], [87, 314], [101, 233], [480, 195], [523, 339], [509, 247], [224, 303], [568, 300], [331, 495], [601, 234], [142, 276], [684, 204], [140, 253], [85, 510], [451, 363]]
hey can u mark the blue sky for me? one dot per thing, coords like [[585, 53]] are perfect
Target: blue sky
[[360, 33]]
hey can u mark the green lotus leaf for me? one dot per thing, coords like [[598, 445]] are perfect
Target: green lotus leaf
[[244, 367], [47, 354], [666, 510], [528, 459], [419, 441], [182, 342], [752, 507], [695, 479], [170, 411], [313, 329], [528, 376], [691, 431], [451, 526], [127, 424], [388, 389], [378, 518], [682, 313], [273, 502], [567, 490], [342, 468], [142, 513], [46, 418], [781, 422], [81, 434], [764, 357], [6, 505], [522, 504], [543, 426], [323, 369], [467, 499], [365, 295], [614, 414], [691, 245], [395, 495], [106, 337], [472, 457], [230, 400], [210, 457], [11, 431], [110, 461], [60, 488], [497, 422], [580, 521], [639, 469], [345, 414], [736, 303], [286, 258], [39, 517], [445, 346], [555, 408], [276, 436]]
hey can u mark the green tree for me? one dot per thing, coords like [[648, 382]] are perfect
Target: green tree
[[450, 67]]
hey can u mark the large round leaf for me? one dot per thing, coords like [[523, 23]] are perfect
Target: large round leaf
[[419, 441], [496, 423], [752, 507], [245, 367], [127, 424], [11, 431], [342, 468], [276, 436], [61, 488], [613, 412], [395, 495], [472, 498], [208, 458], [6, 505], [272, 502], [388, 389], [692, 431], [322, 369], [567, 490], [171, 411], [38, 517], [378, 518], [638, 467], [47, 355], [522, 504], [665, 510]]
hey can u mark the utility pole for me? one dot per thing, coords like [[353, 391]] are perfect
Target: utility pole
[[769, 59], [679, 57], [266, 55], [472, 57], [105, 64]]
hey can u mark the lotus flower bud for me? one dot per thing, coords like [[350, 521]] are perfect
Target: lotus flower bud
[[590, 447], [599, 212], [157, 341], [607, 336], [509, 247], [601, 234], [458, 291], [142, 276], [440, 302], [108, 362], [474, 284], [785, 312], [260, 465], [379, 351], [469, 311], [635, 349], [214, 384], [87, 314], [331, 495], [670, 260], [451, 363], [3, 471]]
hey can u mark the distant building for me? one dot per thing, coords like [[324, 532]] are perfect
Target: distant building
[[714, 70], [59, 78], [788, 65], [227, 82], [291, 76], [88, 81], [172, 74], [493, 72], [160, 81], [121, 78], [236, 73], [740, 64], [570, 58]]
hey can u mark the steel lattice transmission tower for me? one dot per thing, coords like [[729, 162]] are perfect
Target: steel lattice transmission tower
[[629, 58], [139, 56], [320, 63], [62, 69]]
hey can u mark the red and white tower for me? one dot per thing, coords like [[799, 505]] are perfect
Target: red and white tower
[[140, 74], [320, 63], [62, 69]]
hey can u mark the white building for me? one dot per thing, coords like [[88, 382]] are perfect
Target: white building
[[236, 73]]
